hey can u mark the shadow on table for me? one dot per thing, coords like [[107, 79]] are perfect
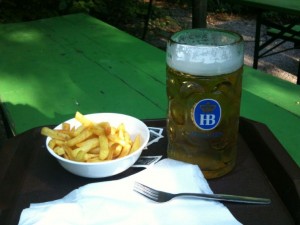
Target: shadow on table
[[14, 122]]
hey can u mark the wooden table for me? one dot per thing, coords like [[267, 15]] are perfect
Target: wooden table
[[289, 32], [52, 68]]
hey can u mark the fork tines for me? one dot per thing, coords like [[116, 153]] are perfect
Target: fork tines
[[145, 191]]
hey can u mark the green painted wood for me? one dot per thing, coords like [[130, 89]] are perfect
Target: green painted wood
[[51, 68], [57, 66], [279, 92], [284, 125], [282, 6], [276, 103]]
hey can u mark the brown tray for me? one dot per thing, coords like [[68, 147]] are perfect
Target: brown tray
[[29, 174]]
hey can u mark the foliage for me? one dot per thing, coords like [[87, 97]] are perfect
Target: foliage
[[113, 11], [223, 6], [23, 10]]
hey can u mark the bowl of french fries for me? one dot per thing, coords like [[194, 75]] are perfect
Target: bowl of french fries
[[97, 145]]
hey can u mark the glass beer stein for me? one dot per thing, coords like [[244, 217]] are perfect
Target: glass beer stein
[[204, 80]]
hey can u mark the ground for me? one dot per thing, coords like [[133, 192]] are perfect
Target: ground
[[173, 18]]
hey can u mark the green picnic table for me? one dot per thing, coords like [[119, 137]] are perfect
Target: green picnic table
[[51, 68], [282, 6]]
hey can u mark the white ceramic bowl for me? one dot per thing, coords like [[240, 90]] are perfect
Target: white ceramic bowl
[[133, 126]]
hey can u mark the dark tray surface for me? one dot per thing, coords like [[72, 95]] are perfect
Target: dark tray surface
[[263, 169]]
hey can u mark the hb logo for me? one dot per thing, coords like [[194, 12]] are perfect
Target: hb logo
[[207, 114], [207, 119]]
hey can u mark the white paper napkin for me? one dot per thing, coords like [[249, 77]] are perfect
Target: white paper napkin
[[115, 202]]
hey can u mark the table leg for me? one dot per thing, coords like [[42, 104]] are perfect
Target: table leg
[[199, 13], [257, 40], [146, 23]]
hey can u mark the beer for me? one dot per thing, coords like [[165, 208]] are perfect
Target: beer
[[204, 91]]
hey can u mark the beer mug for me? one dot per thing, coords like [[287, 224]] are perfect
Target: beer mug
[[204, 80]]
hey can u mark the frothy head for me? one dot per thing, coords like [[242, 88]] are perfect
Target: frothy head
[[205, 52]]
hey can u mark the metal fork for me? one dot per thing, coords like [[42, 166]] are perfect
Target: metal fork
[[160, 196]]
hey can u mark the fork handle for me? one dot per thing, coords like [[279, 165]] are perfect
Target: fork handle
[[228, 198]]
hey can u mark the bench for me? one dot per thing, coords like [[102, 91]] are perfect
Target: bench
[[292, 34]]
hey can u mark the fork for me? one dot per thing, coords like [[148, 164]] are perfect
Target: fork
[[160, 196]]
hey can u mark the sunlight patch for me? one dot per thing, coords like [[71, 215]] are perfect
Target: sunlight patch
[[21, 36]]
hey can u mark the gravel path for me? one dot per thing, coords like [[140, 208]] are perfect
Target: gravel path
[[283, 65]]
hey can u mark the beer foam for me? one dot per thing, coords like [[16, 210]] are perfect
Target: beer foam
[[205, 60]]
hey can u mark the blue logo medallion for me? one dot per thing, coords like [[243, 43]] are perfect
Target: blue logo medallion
[[207, 114]]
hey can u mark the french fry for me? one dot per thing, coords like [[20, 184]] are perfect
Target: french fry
[[136, 144], [69, 152], [52, 143], [66, 156], [91, 156], [121, 131], [95, 151], [72, 130], [116, 148], [83, 120], [58, 142], [104, 149], [106, 127], [81, 137], [78, 130], [80, 156], [91, 142], [59, 150], [125, 150], [54, 134], [127, 138], [66, 126], [86, 146], [98, 130], [113, 138], [94, 159]]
